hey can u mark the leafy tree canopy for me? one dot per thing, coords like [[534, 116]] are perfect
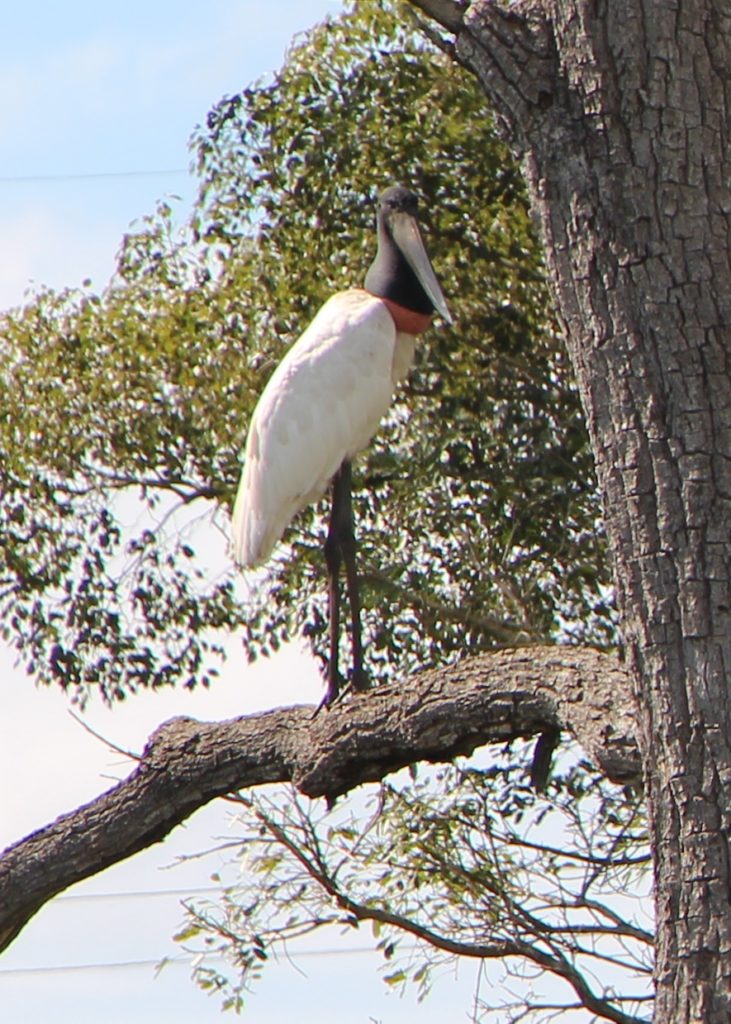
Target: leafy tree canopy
[[476, 505]]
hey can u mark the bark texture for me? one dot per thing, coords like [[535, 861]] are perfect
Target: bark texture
[[619, 111], [432, 717]]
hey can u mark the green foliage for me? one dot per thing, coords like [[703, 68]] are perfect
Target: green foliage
[[459, 862], [477, 506], [116, 417]]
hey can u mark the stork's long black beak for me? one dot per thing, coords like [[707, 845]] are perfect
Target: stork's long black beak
[[407, 236]]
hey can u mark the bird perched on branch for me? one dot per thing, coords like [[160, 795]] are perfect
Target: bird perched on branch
[[323, 404]]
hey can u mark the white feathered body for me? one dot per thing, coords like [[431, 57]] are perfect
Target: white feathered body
[[322, 404]]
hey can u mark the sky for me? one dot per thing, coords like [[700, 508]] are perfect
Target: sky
[[97, 103]]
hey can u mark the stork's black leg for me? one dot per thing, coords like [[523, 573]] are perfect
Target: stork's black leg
[[339, 548], [348, 549], [333, 558]]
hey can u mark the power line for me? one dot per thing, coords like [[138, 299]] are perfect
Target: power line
[[178, 961], [125, 965], [6, 972], [13, 179], [140, 894]]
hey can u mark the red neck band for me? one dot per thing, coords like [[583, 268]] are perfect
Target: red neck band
[[407, 320]]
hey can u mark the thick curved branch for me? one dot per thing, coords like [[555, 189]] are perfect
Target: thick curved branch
[[509, 47], [430, 717], [448, 13]]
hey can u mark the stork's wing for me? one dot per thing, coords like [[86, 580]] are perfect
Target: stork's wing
[[321, 405]]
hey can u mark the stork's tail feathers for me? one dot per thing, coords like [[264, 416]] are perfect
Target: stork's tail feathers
[[249, 543]]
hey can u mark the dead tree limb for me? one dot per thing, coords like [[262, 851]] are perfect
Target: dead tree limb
[[430, 717]]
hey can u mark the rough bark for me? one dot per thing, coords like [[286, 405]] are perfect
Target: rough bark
[[431, 717], [619, 111]]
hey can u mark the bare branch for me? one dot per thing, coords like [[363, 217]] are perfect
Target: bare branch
[[509, 47], [447, 13], [433, 716], [554, 962]]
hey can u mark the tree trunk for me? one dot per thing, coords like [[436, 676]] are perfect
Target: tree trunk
[[619, 111]]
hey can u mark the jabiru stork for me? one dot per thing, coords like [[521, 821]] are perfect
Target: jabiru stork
[[323, 404]]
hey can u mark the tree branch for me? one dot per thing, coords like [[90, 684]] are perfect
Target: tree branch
[[433, 716], [509, 47], [448, 13], [554, 962]]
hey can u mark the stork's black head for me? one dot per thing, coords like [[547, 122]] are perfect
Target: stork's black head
[[398, 198], [401, 270]]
